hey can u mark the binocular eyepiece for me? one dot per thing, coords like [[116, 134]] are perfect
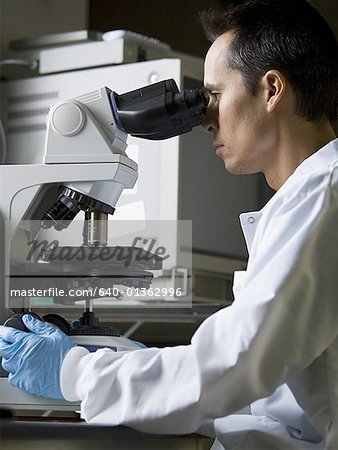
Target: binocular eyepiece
[[159, 111]]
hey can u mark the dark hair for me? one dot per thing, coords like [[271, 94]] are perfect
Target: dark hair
[[286, 35]]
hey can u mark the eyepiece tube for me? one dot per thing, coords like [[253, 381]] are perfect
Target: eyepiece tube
[[159, 111]]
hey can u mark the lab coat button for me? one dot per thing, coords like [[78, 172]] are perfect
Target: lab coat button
[[251, 219]]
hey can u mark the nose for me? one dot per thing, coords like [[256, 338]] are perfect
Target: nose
[[210, 121]]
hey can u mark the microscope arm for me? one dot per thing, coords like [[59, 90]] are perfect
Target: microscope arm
[[84, 130]]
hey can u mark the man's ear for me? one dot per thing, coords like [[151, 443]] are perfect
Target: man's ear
[[274, 84]]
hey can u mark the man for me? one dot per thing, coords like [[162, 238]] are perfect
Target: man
[[262, 373]]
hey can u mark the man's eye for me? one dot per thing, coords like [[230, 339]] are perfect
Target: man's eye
[[215, 96]]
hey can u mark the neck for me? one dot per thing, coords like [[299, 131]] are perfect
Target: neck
[[301, 140]]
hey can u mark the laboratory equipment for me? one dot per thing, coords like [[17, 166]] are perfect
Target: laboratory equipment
[[99, 120]]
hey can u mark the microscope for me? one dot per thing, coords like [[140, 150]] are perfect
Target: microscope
[[84, 170]]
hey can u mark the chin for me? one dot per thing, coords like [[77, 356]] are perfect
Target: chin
[[236, 169], [231, 167]]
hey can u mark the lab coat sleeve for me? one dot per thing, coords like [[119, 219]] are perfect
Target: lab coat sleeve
[[282, 320]]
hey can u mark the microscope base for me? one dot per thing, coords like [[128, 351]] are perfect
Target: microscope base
[[14, 398]]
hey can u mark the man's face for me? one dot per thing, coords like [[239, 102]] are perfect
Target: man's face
[[242, 130]]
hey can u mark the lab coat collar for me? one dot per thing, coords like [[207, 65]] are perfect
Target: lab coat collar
[[249, 222], [325, 156]]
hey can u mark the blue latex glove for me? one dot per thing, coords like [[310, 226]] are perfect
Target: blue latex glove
[[34, 360]]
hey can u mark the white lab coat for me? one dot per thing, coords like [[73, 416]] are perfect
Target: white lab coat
[[275, 348]]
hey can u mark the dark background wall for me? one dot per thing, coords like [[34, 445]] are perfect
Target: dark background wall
[[172, 21]]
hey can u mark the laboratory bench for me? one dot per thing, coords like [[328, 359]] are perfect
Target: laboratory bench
[[63, 435]]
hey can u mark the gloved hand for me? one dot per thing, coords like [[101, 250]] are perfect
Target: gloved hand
[[34, 360]]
